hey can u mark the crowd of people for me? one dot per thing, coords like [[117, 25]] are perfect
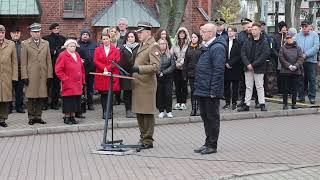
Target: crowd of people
[[216, 62]]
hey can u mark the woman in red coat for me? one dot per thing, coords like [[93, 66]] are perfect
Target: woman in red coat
[[103, 56], [69, 69]]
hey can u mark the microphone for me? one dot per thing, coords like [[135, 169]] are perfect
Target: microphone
[[120, 68]]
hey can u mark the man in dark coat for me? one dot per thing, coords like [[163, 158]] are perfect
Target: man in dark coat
[[56, 41], [88, 45], [221, 31], [122, 25], [209, 85]]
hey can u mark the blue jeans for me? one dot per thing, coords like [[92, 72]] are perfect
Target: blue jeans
[[308, 82]]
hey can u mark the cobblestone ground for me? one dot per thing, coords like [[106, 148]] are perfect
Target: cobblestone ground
[[246, 147]]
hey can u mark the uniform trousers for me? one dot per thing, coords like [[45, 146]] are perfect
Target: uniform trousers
[[146, 127], [34, 106], [210, 115], [4, 110], [18, 92]]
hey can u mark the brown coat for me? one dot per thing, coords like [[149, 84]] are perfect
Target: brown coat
[[36, 66], [8, 69], [144, 87], [291, 54]]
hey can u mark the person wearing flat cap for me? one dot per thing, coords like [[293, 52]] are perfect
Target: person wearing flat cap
[[36, 71], [144, 86], [8, 73], [221, 31], [56, 41], [15, 34]]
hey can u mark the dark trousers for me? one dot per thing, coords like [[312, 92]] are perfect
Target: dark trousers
[[308, 82], [4, 110], [18, 92], [289, 87], [210, 115], [242, 87], [89, 83], [146, 127], [228, 84], [191, 83], [164, 94], [56, 88], [181, 88], [34, 106], [104, 99], [127, 99]]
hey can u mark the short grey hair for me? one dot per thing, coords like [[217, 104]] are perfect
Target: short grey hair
[[124, 20]]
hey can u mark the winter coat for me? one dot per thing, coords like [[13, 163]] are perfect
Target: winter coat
[[234, 61], [8, 69], [309, 45], [71, 73], [144, 86], [243, 36], [18, 51], [89, 47], [209, 79], [223, 34], [278, 41], [261, 52], [191, 59], [126, 62], [101, 61], [291, 54], [36, 66], [176, 51], [167, 67], [56, 41]]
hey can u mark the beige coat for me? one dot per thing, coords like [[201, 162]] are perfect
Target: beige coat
[[144, 87], [36, 66], [8, 69]]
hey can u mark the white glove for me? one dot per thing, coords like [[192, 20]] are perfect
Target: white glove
[[161, 74], [290, 67], [294, 68]]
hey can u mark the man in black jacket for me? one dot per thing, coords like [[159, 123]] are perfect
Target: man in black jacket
[[56, 41], [254, 54]]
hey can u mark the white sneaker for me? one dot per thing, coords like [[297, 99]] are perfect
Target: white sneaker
[[169, 115], [161, 115], [183, 106], [177, 106]]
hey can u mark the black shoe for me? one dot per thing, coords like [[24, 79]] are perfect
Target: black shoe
[[67, 120], [73, 121], [147, 146], [301, 100], [234, 106], [208, 150], [227, 106], [3, 124], [285, 107], [40, 121], [243, 108], [20, 110], [55, 107], [312, 101], [294, 106], [80, 116], [241, 103], [257, 106], [199, 149], [31, 122], [263, 107], [45, 107], [90, 107]]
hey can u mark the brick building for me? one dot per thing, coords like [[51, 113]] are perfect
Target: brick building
[[74, 15]]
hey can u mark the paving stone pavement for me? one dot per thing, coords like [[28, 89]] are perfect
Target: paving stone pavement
[[253, 148]]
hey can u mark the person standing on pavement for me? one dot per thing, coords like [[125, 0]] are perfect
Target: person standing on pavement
[[128, 52], [308, 41], [144, 86], [88, 45], [192, 56], [232, 69], [208, 84], [254, 54], [165, 80], [56, 41], [36, 71], [70, 70], [103, 57], [15, 34], [291, 59], [8, 74], [178, 50]]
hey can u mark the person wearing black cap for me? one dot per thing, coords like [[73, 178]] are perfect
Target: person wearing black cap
[[221, 31], [88, 45], [18, 85], [56, 41], [144, 86], [36, 71], [8, 73]]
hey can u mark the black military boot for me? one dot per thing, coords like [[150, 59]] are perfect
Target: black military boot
[[73, 120]]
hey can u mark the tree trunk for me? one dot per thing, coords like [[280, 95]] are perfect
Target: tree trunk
[[297, 14], [171, 14], [288, 13], [216, 6], [258, 15]]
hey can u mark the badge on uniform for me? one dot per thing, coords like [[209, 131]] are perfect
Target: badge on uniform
[[156, 53]]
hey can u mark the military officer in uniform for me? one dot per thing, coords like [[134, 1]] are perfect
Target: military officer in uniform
[[36, 71], [144, 86], [8, 73]]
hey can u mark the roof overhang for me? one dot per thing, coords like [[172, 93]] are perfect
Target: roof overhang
[[20, 7]]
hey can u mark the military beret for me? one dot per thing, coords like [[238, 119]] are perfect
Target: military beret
[[53, 25]]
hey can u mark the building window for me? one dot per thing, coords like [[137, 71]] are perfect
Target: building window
[[73, 9]]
